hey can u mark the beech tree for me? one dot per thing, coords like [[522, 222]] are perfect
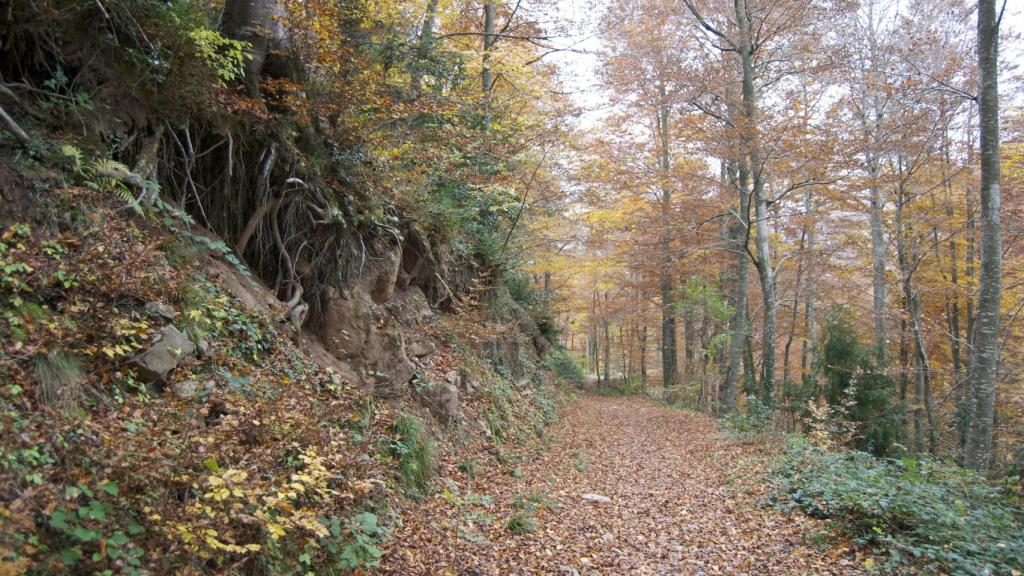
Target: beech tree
[[985, 354]]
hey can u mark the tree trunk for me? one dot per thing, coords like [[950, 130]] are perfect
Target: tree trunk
[[749, 371], [607, 344], [594, 339], [985, 363], [486, 74], [668, 313], [878, 280], [426, 44], [643, 356], [257, 22], [908, 262], [624, 345], [795, 309], [738, 323], [547, 291], [689, 341], [755, 166], [953, 293], [808, 360]]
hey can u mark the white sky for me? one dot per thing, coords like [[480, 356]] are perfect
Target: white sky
[[578, 70]]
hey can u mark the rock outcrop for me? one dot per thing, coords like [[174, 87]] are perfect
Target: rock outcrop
[[164, 354], [442, 399]]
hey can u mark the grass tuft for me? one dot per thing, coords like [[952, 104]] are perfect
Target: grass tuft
[[60, 378], [415, 452], [520, 523]]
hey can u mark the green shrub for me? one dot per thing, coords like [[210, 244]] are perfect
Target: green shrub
[[495, 425], [520, 290], [580, 463], [562, 365], [853, 382], [468, 466], [93, 530], [353, 544], [415, 452], [921, 513], [546, 403], [754, 421], [547, 325]]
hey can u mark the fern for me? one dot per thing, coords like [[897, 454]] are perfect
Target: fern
[[104, 182], [109, 166]]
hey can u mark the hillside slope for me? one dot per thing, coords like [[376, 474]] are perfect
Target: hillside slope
[[162, 415]]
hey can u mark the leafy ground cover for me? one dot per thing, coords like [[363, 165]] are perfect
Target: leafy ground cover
[[922, 513], [248, 458]]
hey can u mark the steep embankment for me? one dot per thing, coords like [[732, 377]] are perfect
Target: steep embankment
[[623, 486], [161, 414]]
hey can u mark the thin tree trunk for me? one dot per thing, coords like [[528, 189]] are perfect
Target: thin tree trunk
[[752, 151], [622, 353], [904, 359], [907, 259], [738, 322], [668, 314], [749, 370], [878, 282], [808, 360], [425, 45], [607, 344], [953, 293], [689, 340], [594, 338], [547, 291], [643, 356], [963, 410], [486, 74], [795, 310]]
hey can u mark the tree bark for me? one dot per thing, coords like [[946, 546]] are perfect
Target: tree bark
[[607, 344], [908, 261], [257, 22], [985, 364], [752, 151], [878, 279], [738, 322], [425, 45], [808, 360], [486, 74], [668, 314], [794, 311], [643, 356]]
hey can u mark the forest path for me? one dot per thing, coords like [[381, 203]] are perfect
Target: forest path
[[683, 500]]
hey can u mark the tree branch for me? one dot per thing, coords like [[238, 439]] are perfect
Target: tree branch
[[13, 128]]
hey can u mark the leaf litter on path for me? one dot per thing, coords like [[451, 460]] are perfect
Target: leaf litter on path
[[675, 498]]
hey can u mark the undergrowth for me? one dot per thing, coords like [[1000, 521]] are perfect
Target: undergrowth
[[564, 366], [918, 514], [414, 450], [749, 422]]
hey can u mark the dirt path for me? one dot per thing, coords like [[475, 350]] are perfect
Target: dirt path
[[680, 504]]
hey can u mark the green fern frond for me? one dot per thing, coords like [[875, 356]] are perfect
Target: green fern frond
[[116, 186], [109, 165], [126, 195]]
